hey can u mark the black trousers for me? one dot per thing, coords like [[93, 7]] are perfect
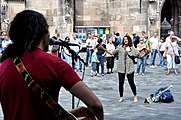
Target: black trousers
[[110, 62], [130, 81]]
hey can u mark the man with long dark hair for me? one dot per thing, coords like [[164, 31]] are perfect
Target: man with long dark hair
[[30, 36]]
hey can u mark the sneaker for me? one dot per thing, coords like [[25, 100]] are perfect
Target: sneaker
[[108, 72], [143, 74], [91, 74], [152, 66], [102, 74], [98, 75], [137, 73]]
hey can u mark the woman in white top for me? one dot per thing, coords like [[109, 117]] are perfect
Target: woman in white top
[[110, 59], [162, 48], [170, 52]]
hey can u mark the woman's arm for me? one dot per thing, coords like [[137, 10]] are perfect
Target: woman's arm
[[115, 51]]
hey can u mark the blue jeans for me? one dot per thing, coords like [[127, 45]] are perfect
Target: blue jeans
[[80, 64], [65, 57], [88, 56], [94, 66], [141, 63], [162, 62], [101, 59], [153, 56]]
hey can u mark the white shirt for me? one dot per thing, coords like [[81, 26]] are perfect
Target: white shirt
[[172, 48], [109, 47], [154, 42], [162, 46], [94, 42], [89, 42], [168, 39], [76, 41]]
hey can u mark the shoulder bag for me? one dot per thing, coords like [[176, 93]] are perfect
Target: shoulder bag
[[177, 58]]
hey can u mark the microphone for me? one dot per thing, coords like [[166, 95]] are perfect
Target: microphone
[[61, 42]]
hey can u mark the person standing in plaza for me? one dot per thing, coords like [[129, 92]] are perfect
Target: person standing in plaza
[[6, 42], [110, 59], [101, 55], [170, 52], [65, 55], [170, 34], [77, 49], [30, 35], [113, 36], [141, 63], [95, 62], [136, 39], [154, 49], [125, 66], [162, 48], [89, 44]]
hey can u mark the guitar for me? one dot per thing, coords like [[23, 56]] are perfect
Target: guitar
[[80, 113]]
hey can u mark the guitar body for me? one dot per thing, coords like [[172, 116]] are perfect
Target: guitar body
[[82, 113]]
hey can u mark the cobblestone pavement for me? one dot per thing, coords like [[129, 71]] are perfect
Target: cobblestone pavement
[[106, 88]]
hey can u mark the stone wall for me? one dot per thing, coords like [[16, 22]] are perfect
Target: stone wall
[[120, 15]]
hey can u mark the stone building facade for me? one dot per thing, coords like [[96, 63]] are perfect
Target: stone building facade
[[130, 15], [64, 16]]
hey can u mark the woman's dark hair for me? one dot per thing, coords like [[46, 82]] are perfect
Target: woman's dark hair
[[54, 37], [99, 40], [129, 41], [67, 39], [26, 31]]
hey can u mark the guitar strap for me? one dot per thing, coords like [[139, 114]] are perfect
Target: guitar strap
[[57, 109]]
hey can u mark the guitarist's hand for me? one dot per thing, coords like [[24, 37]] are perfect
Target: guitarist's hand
[[81, 91]]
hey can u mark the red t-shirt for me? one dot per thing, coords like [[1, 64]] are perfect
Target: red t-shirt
[[18, 101]]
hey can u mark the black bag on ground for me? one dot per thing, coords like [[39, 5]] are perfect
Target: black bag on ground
[[166, 97], [177, 59]]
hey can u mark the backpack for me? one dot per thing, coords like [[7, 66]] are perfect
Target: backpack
[[166, 97]]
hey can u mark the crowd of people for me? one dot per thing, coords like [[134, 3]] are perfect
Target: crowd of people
[[148, 48], [104, 52]]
